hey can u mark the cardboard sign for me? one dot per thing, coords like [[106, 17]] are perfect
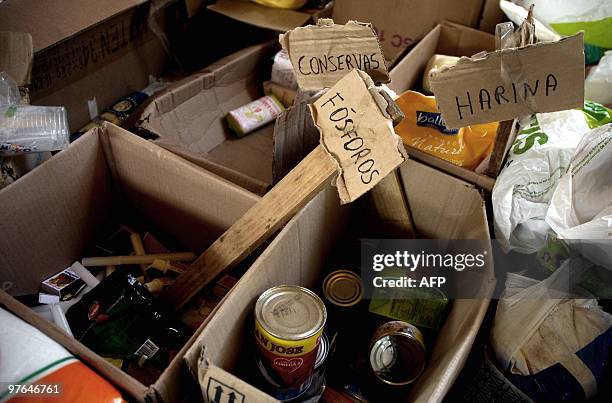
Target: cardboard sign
[[509, 83], [357, 134], [324, 53]]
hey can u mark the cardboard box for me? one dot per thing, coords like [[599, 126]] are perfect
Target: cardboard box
[[189, 118], [401, 23], [276, 19], [50, 215], [87, 50], [442, 207], [446, 39], [491, 16]]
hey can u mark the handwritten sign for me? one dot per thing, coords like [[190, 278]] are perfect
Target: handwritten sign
[[357, 134], [324, 53], [509, 83]]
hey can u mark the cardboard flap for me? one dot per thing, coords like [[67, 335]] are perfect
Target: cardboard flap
[[276, 19], [509, 83], [324, 53], [58, 20], [357, 134], [16, 54], [221, 386]]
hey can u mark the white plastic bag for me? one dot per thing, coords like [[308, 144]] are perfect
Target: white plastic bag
[[598, 84], [541, 329], [581, 206], [567, 17], [536, 161]]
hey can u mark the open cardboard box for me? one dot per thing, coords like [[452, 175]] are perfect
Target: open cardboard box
[[446, 39], [442, 207], [49, 216], [87, 53], [189, 118]]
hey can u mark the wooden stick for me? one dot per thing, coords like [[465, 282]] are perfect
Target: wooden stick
[[254, 227], [139, 250], [145, 259]]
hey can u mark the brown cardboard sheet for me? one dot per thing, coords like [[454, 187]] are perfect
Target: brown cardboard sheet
[[446, 39], [51, 214], [324, 53], [357, 134], [442, 207], [510, 83], [189, 119], [16, 56]]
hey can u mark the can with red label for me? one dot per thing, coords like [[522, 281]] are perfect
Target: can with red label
[[289, 323]]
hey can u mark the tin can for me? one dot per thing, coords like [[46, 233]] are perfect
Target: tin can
[[397, 353], [343, 288], [289, 324]]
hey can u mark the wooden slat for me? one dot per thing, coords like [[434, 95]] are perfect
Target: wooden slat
[[252, 229]]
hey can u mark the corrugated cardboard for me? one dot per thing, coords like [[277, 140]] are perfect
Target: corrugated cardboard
[[357, 134], [86, 49], [50, 215], [447, 39], [324, 53], [276, 19], [401, 23], [491, 16], [16, 56], [509, 83], [299, 253], [189, 119]]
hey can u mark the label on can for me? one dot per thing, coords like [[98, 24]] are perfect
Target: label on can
[[291, 361]]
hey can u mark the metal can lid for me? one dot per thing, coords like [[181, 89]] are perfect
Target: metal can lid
[[290, 312], [397, 356], [343, 288], [323, 350]]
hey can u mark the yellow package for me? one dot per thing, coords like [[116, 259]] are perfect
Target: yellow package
[[424, 129]]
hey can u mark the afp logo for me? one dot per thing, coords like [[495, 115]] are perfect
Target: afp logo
[[434, 120], [218, 392]]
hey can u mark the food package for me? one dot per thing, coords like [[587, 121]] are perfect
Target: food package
[[282, 71], [423, 128], [598, 84], [435, 64], [121, 319], [553, 344], [285, 95], [536, 161], [581, 205], [252, 116], [32, 359], [288, 4]]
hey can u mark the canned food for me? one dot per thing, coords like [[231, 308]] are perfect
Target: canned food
[[343, 288], [397, 353], [289, 324]]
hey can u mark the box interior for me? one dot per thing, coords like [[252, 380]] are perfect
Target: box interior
[[189, 118], [300, 251], [118, 174]]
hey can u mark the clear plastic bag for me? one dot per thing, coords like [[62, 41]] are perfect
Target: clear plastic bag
[[26, 128]]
